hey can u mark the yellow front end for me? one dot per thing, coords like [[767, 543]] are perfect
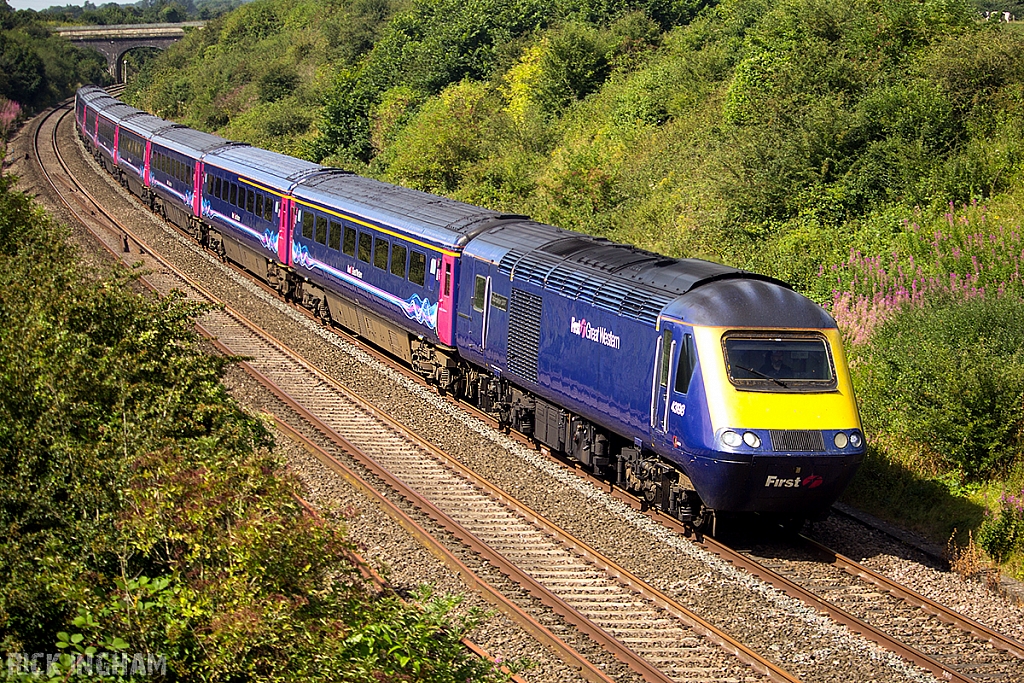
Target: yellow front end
[[731, 407]]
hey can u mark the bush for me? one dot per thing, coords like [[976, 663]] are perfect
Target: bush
[[1002, 532], [949, 377], [442, 140]]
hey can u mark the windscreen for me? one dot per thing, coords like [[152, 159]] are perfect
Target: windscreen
[[779, 363]]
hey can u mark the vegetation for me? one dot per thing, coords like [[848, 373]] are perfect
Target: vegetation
[[826, 143], [142, 12], [149, 527], [38, 69]]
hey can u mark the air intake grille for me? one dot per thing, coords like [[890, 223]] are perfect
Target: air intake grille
[[523, 334], [804, 440]]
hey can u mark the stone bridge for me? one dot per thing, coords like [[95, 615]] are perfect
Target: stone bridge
[[115, 41]]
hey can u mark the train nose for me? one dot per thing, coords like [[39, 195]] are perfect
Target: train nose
[[781, 482]]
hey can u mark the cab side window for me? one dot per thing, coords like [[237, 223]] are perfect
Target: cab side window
[[686, 364], [666, 355], [479, 292]]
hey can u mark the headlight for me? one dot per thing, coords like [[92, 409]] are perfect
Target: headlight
[[855, 439], [752, 439], [731, 439], [841, 440]]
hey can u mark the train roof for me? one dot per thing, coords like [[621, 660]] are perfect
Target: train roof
[[640, 284], [437, 220], [192, 143], [278, 171], [118, 112], [748, 302], [145, 124], [94, 96]]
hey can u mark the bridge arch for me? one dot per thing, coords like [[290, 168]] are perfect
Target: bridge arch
[[113, 42]]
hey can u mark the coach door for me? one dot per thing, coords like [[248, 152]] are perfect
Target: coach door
[[479, 310]]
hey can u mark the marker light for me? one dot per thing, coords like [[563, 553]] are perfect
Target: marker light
[[841, 440], [731, 439], [855, 439], [752, 439]]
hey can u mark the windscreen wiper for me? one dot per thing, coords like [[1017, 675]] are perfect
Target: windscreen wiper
[[761, 374]]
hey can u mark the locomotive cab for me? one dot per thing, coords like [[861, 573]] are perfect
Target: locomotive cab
[[760, 418]]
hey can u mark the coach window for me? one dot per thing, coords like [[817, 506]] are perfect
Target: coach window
[[250, 200], [268, 209], [349, 244], [334, 237], [233, 200], [380, 254], [417, 268], [321, 229], [259, 205], [307, 224], [365, 246], [398, 260]]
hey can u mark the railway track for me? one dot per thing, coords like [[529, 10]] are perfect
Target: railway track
[[519, 537]]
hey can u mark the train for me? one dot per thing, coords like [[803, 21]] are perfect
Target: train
[[708, 391]]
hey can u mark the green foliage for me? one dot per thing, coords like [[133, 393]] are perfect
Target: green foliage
[[277, 84], [949, 377], [142, 12], [38, 69], [433, 151], [574, 61], [1002, 533]]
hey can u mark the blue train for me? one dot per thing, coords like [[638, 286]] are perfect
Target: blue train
[[706, 389]]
